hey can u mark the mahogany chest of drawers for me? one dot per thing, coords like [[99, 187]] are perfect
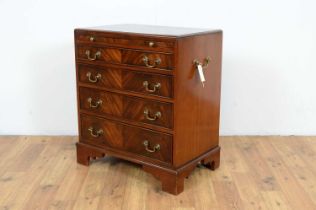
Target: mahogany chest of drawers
[[140, 98]]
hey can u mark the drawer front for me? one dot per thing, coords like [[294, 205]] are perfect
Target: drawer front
[[150, 60], [122, 56], [152, 84], [131, 108], [97, 54], [85, 37], [106, 133]]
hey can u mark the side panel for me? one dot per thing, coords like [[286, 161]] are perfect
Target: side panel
[[197, 108]]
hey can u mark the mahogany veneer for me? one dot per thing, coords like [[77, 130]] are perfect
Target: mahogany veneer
[[140, 98]]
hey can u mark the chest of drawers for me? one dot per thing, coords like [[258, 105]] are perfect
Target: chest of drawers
[[140, 98]]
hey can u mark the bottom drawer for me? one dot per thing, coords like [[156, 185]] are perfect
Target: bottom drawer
[[107, 133]]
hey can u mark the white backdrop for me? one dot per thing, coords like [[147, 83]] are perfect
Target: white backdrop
[[269, 60]]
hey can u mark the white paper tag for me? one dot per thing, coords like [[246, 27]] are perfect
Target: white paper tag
[[201, 74]]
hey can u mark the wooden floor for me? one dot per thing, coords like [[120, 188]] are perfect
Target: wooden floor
[[255, 173]]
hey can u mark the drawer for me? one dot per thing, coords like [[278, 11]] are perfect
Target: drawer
[[149, 84], [106, 133], [147, 43], [130, 108], [99, 55]]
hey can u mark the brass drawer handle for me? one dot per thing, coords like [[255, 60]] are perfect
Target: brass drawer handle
[[94, 105], [147, 62], [155, 87], [156, 147], [148, 117], [92, 38], [151, 44], [95, 134], [96, 78], [207, 60], [95, 57]]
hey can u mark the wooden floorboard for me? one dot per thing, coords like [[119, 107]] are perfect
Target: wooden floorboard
[[41, 172]]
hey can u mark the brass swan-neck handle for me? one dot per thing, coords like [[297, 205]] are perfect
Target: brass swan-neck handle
[[155, 87], [147, 62], [155, 148], [156, 116], [94, 57]]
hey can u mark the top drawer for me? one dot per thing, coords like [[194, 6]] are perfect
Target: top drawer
[[137, 42], [109, 55]]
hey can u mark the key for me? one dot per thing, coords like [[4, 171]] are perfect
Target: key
[[201, 73]]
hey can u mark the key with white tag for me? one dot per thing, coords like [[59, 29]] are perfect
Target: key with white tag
[[201, 73]]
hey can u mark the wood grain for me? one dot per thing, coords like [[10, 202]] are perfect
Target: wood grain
[[197, 107], [125, 137], [130, 108], [109, 55], [41, 173], [120, 79], [125, 56], [125, 41]]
